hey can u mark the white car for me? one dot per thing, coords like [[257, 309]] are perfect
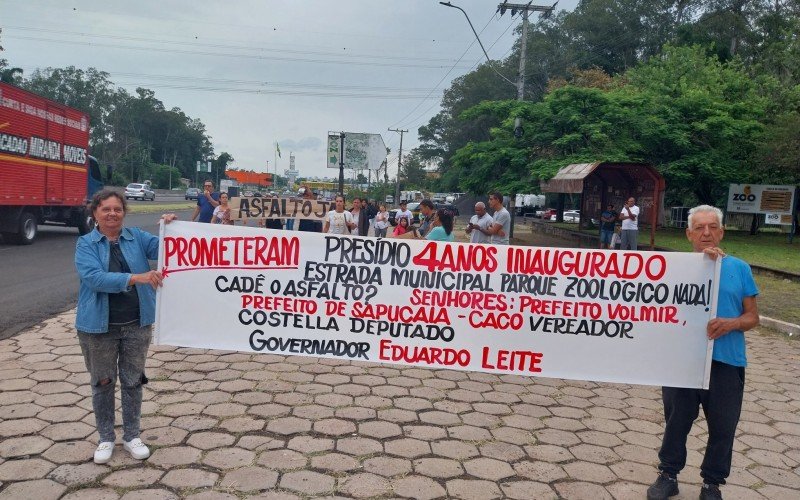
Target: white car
[[569, 216], [139, 191]]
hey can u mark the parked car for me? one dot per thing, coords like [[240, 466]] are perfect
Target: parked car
[[449, 207], [547, 213], [140, 192], [413, 207], [572, 216], [192, 194]]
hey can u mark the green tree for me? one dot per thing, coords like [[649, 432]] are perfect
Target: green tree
[[90, 91], [414, 173], [220, 164], [8, 74], [706, 120], [697, 119]]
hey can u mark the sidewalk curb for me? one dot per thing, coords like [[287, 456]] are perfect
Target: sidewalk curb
[[790, 329]]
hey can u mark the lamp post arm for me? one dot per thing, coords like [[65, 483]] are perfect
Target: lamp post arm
[[448, 4]]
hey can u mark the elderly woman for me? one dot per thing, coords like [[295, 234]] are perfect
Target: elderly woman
[[116, 308]]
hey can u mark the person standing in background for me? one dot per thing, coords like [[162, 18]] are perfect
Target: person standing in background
[[403, 227], [222, 213], [364, 219], [206, 203], [608, 220], [338, 220], [629, 215], [441, 226], [356, 213], [479, 224], [427, 212], [381, 221], [403, 212], [501, 223], [307, 225]]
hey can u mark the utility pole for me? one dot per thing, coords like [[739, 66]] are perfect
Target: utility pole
[[341, 163], [525, 9], [399, 164]]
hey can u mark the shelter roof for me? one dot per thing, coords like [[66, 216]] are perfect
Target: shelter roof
[[570, 179]]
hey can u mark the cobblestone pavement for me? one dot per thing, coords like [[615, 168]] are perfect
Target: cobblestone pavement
[[235, 425]]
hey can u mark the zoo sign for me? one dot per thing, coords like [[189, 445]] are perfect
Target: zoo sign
[[760, 199]]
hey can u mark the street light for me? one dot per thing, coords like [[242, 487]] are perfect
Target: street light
[[448, 4]]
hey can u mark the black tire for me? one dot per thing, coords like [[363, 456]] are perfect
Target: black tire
[[26, 230], [85, 222]]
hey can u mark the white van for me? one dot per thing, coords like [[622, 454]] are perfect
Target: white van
[[389, 198]]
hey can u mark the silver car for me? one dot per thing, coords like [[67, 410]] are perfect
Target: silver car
[[139, 192]]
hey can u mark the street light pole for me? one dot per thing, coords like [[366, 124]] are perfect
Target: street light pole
[[448, 4], [341, 163], [399, 164], [520, 85]]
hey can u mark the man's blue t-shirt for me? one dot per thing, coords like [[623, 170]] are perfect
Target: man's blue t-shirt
[[206, 208], [608, 214], [735, 283]]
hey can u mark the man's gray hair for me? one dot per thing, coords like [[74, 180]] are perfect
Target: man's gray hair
[[480, 204], [704, 208]]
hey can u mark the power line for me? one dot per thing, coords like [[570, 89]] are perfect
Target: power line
[[445, 76], [197, 43], [309, 93], [267, 82], [229, 54]]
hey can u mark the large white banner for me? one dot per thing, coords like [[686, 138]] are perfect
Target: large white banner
[[628, 317]]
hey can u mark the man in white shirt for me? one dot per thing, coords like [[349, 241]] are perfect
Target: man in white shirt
[[501, 223], [479, 224], [403, 212], [629, 215]]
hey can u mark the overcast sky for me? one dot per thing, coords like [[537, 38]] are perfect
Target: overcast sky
[[266, 71]]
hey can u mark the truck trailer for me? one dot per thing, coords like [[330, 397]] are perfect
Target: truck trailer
[[46, 173]]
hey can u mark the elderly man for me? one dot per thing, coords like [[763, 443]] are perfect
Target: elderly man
[[629, 215], [479, 224], [737, 312]]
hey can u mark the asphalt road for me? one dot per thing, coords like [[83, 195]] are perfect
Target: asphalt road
[[39, 280]]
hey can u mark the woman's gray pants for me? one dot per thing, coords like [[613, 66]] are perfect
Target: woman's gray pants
[[124, 349]]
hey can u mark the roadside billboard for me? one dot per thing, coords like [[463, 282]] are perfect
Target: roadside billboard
[[362, 151]]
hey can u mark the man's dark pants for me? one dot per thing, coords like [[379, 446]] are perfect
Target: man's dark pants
[[722, 405]]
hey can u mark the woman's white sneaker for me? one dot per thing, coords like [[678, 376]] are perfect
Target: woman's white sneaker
[[103, 452], [136, 448]]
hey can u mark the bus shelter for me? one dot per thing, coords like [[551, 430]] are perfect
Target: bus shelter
[[603, 183]]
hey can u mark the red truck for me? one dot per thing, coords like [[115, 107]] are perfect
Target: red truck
[[46, 173]]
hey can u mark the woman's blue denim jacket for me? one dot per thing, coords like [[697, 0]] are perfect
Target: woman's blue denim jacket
[[91, 261]]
